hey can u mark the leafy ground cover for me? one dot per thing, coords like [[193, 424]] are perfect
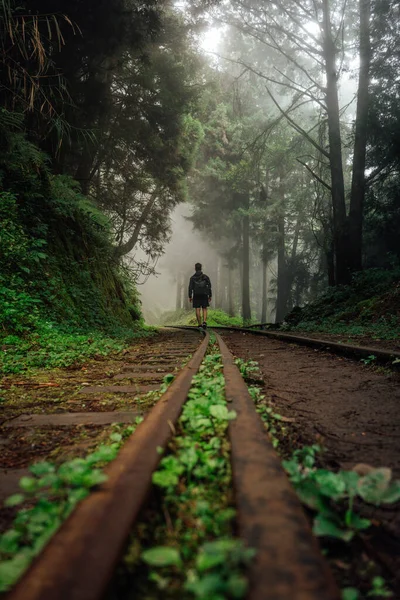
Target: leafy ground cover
[[184, 546], [55, 487], [368, 308], [51, 347], [188, 317], [50, 494]]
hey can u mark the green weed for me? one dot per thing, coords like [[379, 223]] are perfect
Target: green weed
[[51, 347], [199, 551], [369, 360], [54, 492], [215, 317]]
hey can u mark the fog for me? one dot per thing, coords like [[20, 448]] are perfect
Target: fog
[[186, 247], [166, 290], [258, 191]]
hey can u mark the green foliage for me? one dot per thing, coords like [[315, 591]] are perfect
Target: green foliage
[[162, 556], [322, 490], [57, 273], [51, 493], [215, 317], [368, 307], [218, 573], [52, 346], [195, 481], [246, 368], [271, 419]]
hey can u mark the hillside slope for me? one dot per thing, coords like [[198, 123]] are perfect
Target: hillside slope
[[369, 308], [58, 276]]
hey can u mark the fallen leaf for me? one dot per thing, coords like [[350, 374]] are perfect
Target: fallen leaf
[[363, 468]]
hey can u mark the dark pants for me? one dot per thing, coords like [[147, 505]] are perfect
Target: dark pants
[[200, 301]]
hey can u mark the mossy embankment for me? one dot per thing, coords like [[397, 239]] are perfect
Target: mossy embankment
[[369, 308], [63, 296]]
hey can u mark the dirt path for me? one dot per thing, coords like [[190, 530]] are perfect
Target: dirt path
[[355, 408], [349, 407]]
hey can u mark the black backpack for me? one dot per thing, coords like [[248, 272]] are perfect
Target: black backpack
[[200, 286]]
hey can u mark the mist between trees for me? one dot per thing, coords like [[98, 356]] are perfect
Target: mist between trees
[[295, 177], [284, 143], [168, 292]]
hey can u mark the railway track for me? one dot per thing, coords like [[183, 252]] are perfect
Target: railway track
[[79, 561], [350, 350]]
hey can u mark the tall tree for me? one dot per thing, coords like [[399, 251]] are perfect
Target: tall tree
[[310, 38]]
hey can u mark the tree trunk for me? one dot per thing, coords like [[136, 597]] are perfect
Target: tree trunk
[[330, 263], [218, 287], [297, 294], [281, 283], [231, 304], [296, 239], [281, 296], [178, 303], [360, 142], [130, 244], [224, 283], [291, 269], [246, 310], [84, 171], [264, 290], [335, 150]]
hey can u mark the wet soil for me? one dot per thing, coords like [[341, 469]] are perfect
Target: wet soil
[[351, 409], [352, 405], [28, 445]]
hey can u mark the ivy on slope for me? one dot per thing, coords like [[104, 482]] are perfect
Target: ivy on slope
[[57, 265], [369, 306]]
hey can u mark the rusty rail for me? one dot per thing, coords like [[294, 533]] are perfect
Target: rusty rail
[[78, 562], [350, 350], [288, 564]]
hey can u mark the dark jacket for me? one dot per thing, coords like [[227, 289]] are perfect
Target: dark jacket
[[200, 275]]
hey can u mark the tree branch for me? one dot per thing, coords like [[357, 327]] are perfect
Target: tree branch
[[299, 129], [328, 187], [275, 46], [123, 249], [305, 92]]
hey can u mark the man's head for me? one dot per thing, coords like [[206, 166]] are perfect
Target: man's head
[[197, 267]]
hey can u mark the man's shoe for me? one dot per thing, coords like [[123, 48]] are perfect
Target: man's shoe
[[204, 325]]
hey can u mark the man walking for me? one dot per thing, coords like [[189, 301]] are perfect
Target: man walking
[[200, 293]]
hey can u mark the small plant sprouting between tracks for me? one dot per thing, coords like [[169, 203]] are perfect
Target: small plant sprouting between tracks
[[247, 368], [330, 496], [197, 555], [52, 492], [271, 419], [369, 360]]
